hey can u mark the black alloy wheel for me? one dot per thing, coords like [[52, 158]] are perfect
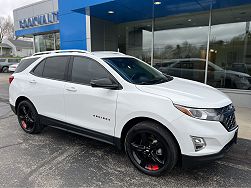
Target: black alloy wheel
[[5, 69], [151, 148], [28, 118]]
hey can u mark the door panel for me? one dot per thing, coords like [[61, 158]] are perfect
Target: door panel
[[91, 108], [88, 107], [46, 86], [47, 95]]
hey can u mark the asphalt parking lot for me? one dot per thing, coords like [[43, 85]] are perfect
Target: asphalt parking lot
[[60, 159]]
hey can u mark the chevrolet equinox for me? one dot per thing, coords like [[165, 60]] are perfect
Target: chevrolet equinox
[[159, 120]]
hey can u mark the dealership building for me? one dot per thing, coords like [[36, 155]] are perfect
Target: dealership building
[[203, 40]]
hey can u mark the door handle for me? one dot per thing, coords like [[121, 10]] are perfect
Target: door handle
[[72, 89], [33, 81]]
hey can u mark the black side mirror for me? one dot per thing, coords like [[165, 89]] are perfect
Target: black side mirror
[[105, 83]]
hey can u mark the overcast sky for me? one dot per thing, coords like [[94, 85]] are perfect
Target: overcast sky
[[7, 6]]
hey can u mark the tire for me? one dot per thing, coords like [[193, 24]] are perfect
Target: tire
[[5, 69], [151, 148], [28, 118]]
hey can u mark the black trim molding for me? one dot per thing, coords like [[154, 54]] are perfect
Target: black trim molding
[[80, 131]]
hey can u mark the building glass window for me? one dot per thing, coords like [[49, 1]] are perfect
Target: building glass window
[[103, 35], [57, 42], [179, 35], [135, 39], [130, 38], [230, 49], [47, 42], [180, 45]]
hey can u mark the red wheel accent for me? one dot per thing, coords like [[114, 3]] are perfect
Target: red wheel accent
[[24, 125], [152, 167]]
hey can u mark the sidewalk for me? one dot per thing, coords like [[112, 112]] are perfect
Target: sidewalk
[[243, 116], [5, 110]]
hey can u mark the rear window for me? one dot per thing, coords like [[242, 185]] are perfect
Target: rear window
[[24, 64], [13, 60]]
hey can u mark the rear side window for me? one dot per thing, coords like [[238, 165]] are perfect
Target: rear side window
[[38, 71], [55, 67], [2, 60], [24, 64]]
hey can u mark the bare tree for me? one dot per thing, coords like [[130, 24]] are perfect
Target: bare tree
[[6, 28]]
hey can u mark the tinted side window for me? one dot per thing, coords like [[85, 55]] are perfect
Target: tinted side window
[[187, 65], [13, 61], [199, 65], [2, 60], [38, 71], [84, 70], [55, 67], [24, 64], [177, 65]]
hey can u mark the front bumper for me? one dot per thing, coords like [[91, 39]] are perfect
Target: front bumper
[[191, 161], [12, 69], [215, 135]]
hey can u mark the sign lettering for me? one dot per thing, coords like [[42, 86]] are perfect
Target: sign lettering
[[39, 20]]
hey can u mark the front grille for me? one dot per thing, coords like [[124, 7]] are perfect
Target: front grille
[[228, 119]]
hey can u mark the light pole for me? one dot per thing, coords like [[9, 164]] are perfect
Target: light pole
[[153, 24], [208, 41]]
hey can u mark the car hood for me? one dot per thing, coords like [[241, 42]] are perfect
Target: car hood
[[237, 73], [188, 93]]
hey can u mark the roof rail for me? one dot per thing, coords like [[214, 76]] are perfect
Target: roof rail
[[59, 51], [108, 52]]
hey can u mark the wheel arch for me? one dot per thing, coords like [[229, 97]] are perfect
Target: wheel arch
[[134, 121], [20, 99]]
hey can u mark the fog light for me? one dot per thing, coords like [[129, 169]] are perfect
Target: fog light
[[199, 143]]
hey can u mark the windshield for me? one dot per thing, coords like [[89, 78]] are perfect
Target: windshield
[[136, 72], [216, 67]]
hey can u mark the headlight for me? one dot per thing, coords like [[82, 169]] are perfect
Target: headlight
[[204, 114], [242, 77]]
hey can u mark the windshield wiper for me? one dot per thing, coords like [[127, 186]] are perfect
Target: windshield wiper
[[157, 80], [169, 78]]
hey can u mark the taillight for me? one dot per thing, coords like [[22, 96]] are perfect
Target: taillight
[[11, 78]]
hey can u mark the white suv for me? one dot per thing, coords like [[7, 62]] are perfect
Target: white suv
[[159, 120]]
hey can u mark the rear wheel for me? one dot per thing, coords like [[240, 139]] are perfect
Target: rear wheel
[[5, 69], [151, 148], [28, 118]]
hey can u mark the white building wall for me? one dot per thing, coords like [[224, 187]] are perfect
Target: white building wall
[[25, 52], [14, 49], [32, 10], [17, 51]]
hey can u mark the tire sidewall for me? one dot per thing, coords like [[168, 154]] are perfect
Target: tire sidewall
[[166, 140], [34, 114], [5, 70]]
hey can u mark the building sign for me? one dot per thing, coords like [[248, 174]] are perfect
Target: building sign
[[40, 20]]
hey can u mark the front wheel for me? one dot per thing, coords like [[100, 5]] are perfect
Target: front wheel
[[151, 148], [28, 118]]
